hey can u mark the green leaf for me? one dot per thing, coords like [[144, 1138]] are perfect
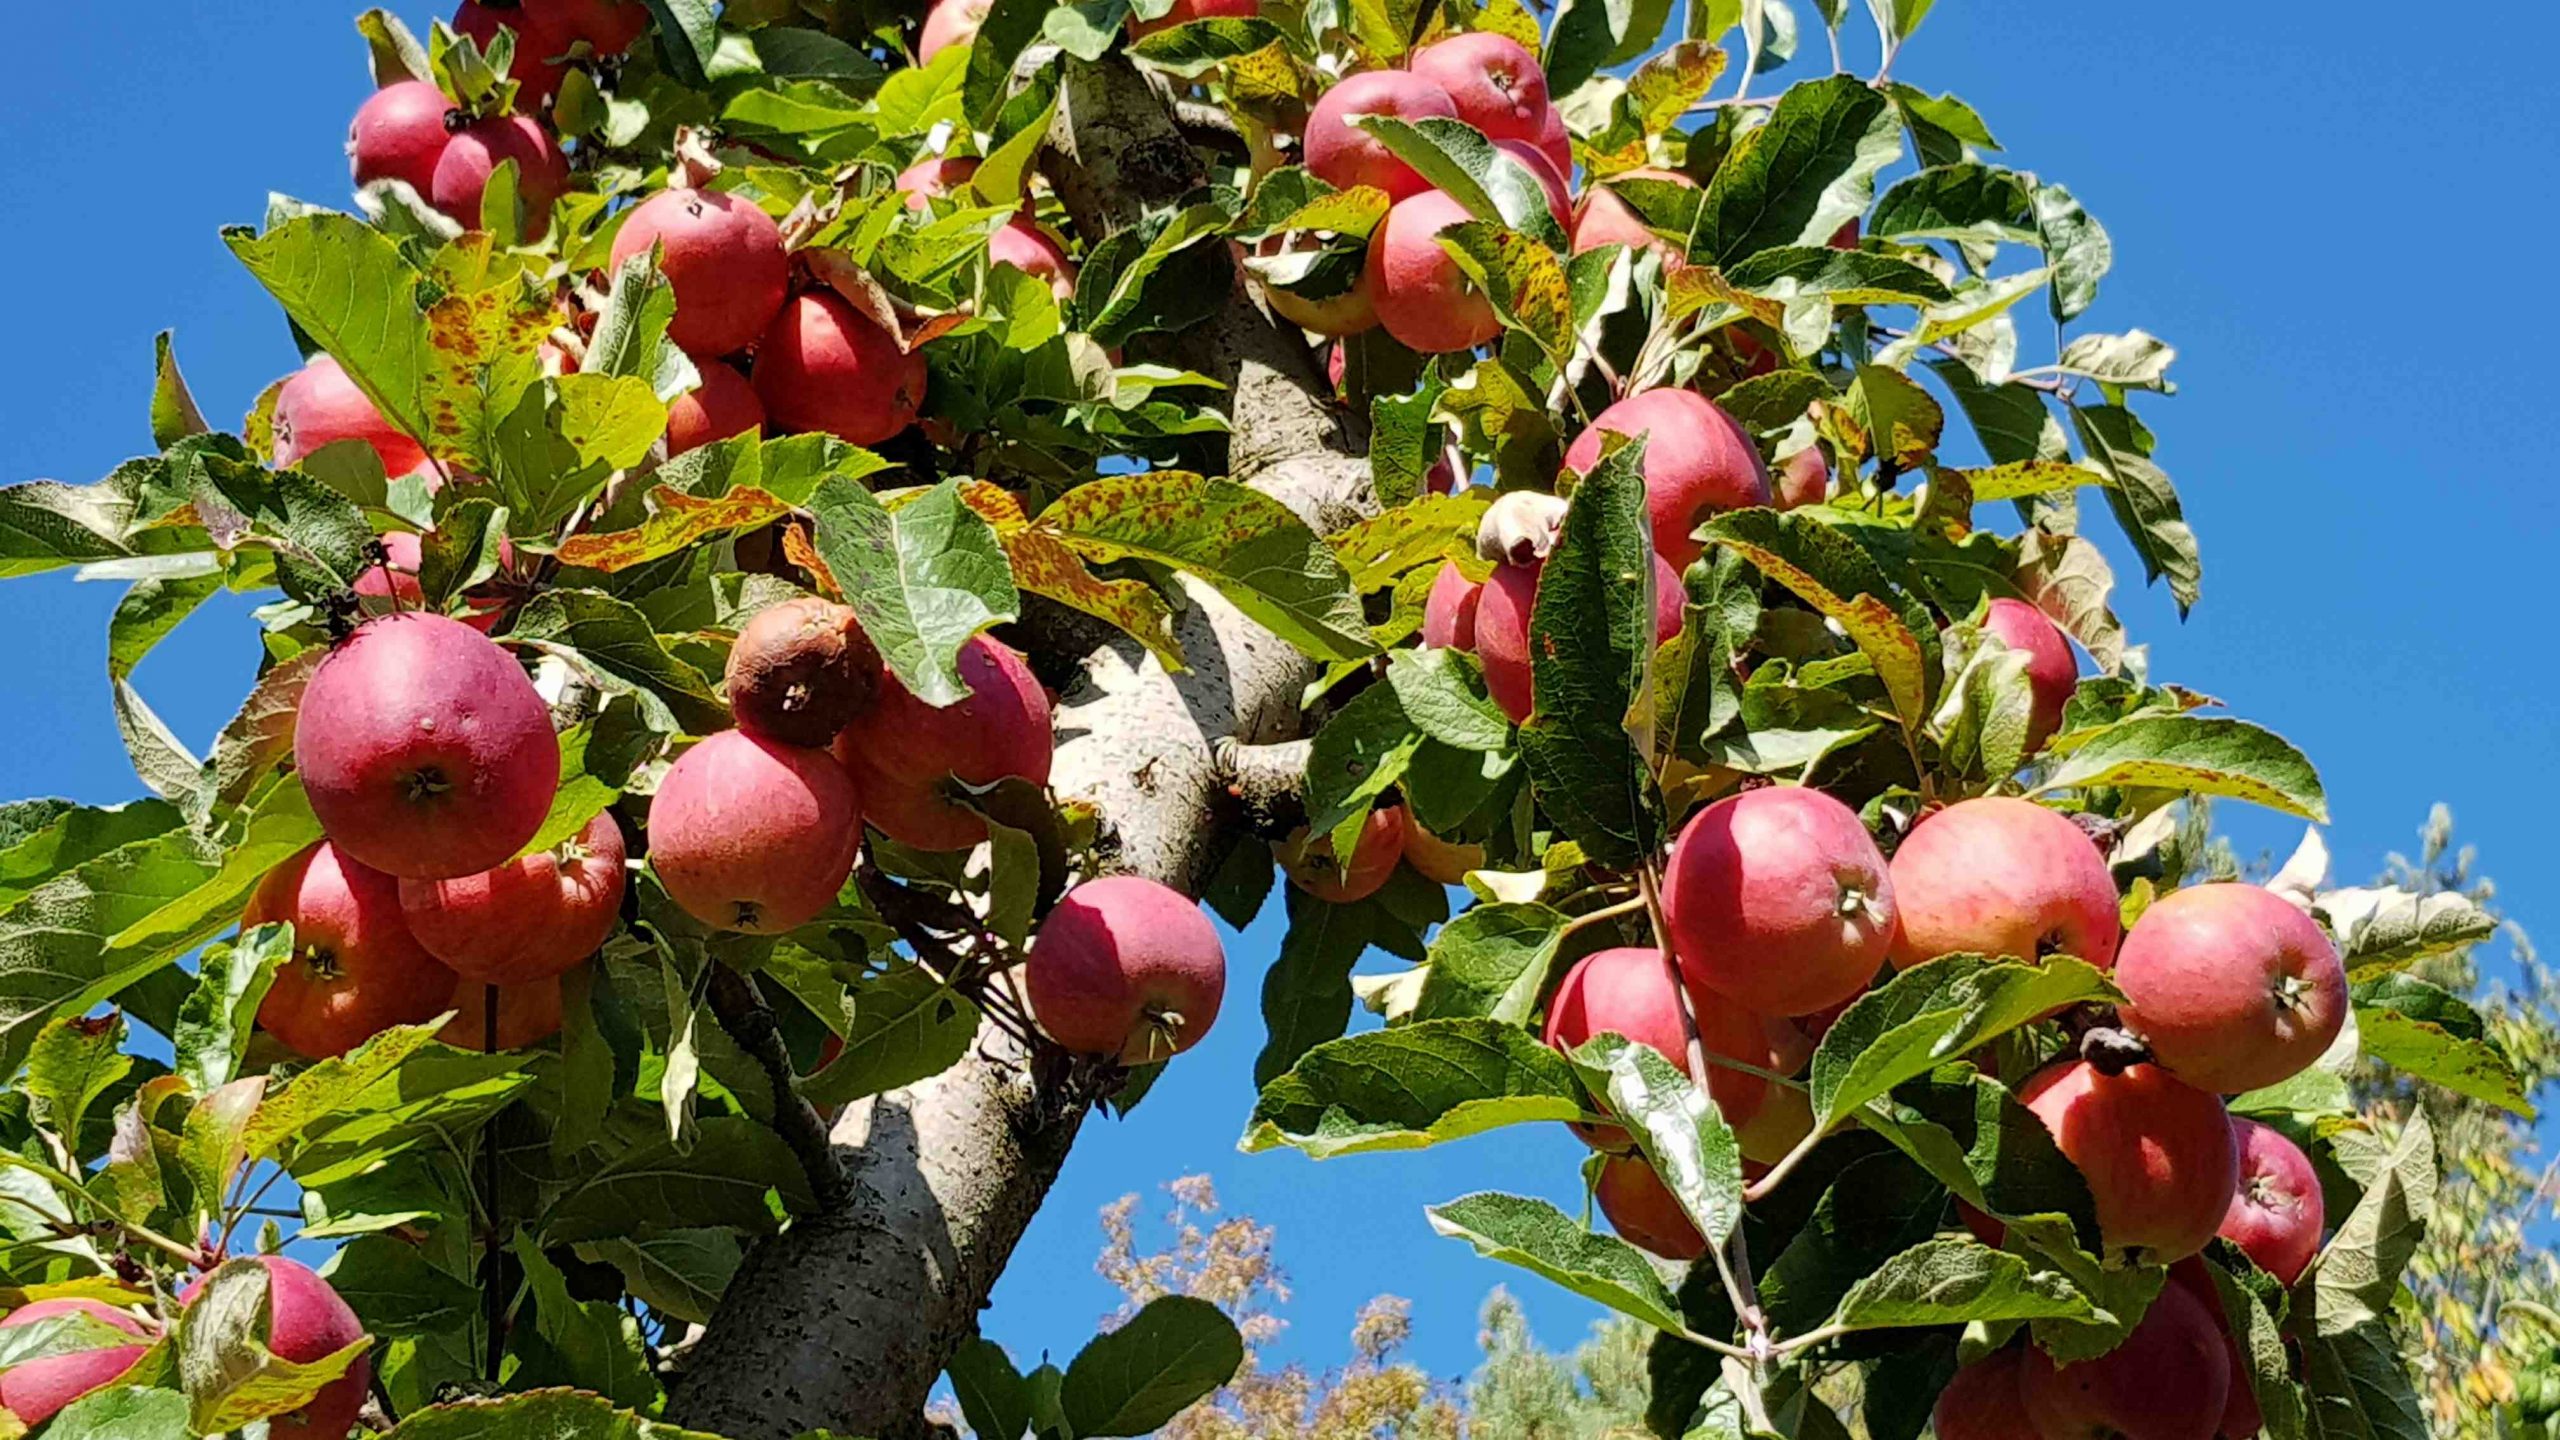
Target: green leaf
[[1357, 757], [1133, 1380], [1413, 1086], [1306, 994], [1829, 572], [1932, 1013], [2356, 1278], [593, 1344], [215, 1021], [2144, 501], [1591, 642], [321, 541], [2077, 246], [681, 1273], [124, 1412], [994, 1397], [1846, 277], [1542, 1239], [280, 826], [689, 34], [652, 1187], [906, 1026], [45, 524], [58, 1335], [396, 1290], [2136, 359], [1901, 423], [606, 638], [2196, 755], [563, 439], [61, 947], [70, 836], [1492, 961], [2262, 1361], [1456, 158], [73, 1061], [555, 1414], [1953, 1282], [174, 415], [2360, 1388], [1683, 1135], [1667, 84], [229, 1374], [1245, 545], [428, 1101], [329, 1088], [1198, 46], [1522, 277], [1803, 175], [347, 286], [2381, 930], [1964, 202], [631, 332], [2421, 1048], [924, 578]]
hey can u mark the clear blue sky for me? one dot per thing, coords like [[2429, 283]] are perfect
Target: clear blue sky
[[2313, 207]]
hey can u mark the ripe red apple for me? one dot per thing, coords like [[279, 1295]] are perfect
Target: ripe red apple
[[1804, 478], [1557, 142], [528, 919], [2167, 1381], [932, 178], [724, 404], [2241, 1417], [1779, 898], [1423, 299], [2158, 1154], [1449, 615], [824, 365], [307, 1321], [1186, 11], [33, 1391], [1503, 609], [722, 256], [544, 33], [1606, 219], [528, 1014], [1127, 968], [477, 149], [801, 670], [949, 23], [356, 970], [1310, 864], [903, 751], [2051, 671], [1442, 862], [1782, 1122], [612, 26], [425, 749], [2277, 1213], [2006, 878], [319, 405], [1535, 161], [1983, 1401], [1643, 1210], [1697, 462], [1027, 247], [1493, 80], [1628, 991], [2233, 987], [751, 835], [1343, 155], [399, 134]]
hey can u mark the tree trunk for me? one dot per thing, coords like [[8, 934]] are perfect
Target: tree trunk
[[846, 1320]]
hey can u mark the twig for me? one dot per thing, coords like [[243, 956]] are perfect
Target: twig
[[739, 1004], [1606, 912]]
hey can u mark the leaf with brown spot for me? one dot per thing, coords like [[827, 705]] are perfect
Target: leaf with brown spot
[[483, 340], [1383, 548], [1045, 565], [800, 550], [675, 521]]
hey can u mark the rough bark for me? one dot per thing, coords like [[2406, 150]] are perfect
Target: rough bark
[[846, 1320]]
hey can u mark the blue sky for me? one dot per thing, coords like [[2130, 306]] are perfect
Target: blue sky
[[2313, 209]]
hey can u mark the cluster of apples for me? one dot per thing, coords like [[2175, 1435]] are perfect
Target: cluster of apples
[[307, 1320]]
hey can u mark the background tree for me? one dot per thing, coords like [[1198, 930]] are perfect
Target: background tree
[[808, 533]]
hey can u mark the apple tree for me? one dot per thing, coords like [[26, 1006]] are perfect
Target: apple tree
[[811, 541]]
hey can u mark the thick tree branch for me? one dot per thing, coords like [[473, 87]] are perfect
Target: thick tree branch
[[846, 1320], [741, 1009]]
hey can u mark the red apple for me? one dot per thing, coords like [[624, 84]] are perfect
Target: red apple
[[1983, 1401], [528, 1014], [399, 134], [1606, 219], [1804, 478], [1311, 866], [905, 753], [1127, 968], [1557, 142], [933, 178], [723, 257], [825, 366], [308, 1322], [1449, 615], [1422, 297], [2277, 1213], [949, 23], [1628, 991], [1186, 11], [1643, 1210], [425, 749], [1442, 862], [1493, 80], [528, 919], [2233, 987], [476, 150], [2051, 671], [2167, 1381], [2005, 878], [752, 835], [320, 404], [1503, 610], [1697, 463], [1779, 898], [35, 1389], [1031, 249], [2241, 1418], [1343, 155], [544, 33], [356, 970], [2159, 1155], [1535, 161], [801, 670], [724, 404]]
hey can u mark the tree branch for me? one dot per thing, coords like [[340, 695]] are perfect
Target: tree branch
[[740, 1006], [845, 1320]]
